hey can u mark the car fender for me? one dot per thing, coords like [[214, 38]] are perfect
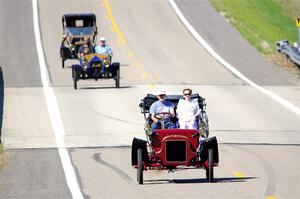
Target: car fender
[[136, 144]]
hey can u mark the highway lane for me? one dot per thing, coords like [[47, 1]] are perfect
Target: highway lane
[[152, 63], [246, 171], [238, 113], [28, 173], [170, 58], [17, 51], [33, 173]]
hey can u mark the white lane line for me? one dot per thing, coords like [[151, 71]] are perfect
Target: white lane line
[[53, 111], [231, 68]]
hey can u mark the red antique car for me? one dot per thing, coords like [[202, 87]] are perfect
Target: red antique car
[[175, 149]]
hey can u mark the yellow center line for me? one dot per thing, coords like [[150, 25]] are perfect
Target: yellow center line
[[122, 40], [137, 64], [152, 86], [110, 15], [144, 75], [242, 175], [130, 53], [239, 174]]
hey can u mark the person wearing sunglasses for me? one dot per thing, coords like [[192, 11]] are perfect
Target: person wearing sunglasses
[[161, 112], [187, 111]]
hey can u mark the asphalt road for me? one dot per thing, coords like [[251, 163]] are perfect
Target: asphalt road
[[17, 50], [159, 52]]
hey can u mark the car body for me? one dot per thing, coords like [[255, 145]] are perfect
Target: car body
[[174, 149], [76, 27], [96, 66]]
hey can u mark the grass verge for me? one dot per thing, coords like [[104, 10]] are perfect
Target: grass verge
[[262, 22]]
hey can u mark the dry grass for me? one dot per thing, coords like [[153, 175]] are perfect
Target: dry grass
[[287, 64], [291, 7], [2, 157], [281, 60]]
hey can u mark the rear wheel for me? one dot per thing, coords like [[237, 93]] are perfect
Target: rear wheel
[[75, 78], [62, 62], [210, 170], [117, 78], [140, 166]]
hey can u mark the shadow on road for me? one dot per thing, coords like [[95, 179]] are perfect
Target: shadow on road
[[104, 87], [197, 180], [1, 100]]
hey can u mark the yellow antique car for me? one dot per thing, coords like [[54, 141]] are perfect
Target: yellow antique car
[[96, 66]]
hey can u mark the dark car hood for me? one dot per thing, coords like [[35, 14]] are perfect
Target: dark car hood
[[80, 31]]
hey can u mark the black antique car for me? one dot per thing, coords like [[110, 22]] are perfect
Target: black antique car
[[76, 27]]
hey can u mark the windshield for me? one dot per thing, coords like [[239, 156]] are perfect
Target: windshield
[[80, 31]]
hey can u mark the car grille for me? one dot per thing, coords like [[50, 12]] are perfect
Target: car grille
[[96, 64], [176, 151]]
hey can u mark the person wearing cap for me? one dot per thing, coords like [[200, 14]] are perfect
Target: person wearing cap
[[187, 111], [103, 48], [162, 106]]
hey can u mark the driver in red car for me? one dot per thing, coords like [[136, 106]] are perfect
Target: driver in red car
[[161, 112]]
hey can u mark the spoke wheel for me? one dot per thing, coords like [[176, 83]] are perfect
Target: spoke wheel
[[140, 166]]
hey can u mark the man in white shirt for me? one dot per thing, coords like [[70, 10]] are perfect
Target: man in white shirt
[[188, 110], [103, 48]]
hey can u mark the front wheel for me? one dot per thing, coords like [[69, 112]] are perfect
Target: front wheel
[[62, 55], [140, 166], [210, 170], [117, 78]]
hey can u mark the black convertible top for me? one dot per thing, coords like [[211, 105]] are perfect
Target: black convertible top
[[78, 15], [89, 19], [150, 99]]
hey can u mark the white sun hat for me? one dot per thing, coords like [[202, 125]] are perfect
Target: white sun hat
[[102, 39], [161, 92]]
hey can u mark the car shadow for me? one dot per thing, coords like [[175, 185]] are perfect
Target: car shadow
[[121, 65], [103, 87], [197, 180], [1, 100]]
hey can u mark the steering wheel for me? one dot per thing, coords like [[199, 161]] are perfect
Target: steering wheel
[[162, 115]]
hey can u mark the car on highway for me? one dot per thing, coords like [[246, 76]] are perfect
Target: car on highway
[[76, 27], [174, 149], [96, 66]]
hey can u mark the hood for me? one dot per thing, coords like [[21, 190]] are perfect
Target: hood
[[95, 58]]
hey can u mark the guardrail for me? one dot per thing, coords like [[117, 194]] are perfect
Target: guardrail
[[291, 53]]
